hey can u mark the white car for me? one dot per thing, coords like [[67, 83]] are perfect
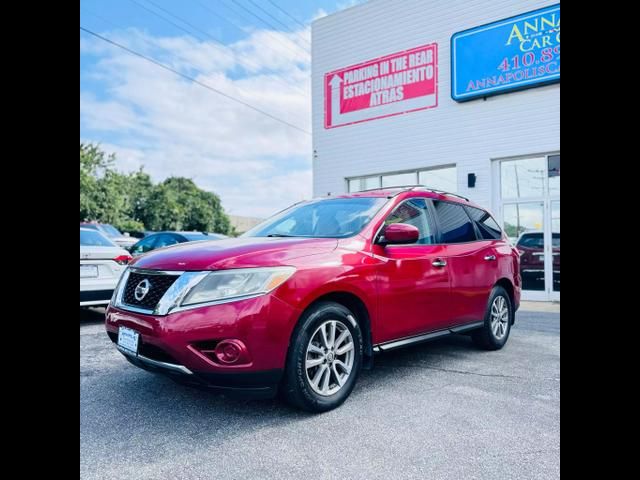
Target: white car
[[112, 233], [101, 265]]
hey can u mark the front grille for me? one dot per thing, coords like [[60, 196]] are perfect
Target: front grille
[[158, 285]]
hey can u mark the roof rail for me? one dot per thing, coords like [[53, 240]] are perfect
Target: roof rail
[[413, 187], [444, 192], [391, 187]]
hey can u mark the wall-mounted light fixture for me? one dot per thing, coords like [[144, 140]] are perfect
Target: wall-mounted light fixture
[[471, 180]]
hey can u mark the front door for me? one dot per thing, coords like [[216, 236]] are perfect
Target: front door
[[413, 280]]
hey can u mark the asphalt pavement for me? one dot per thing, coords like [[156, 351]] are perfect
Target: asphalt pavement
[[440, 410]]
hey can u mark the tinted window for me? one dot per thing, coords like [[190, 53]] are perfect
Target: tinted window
[[92, 238], [536, 240], [327, 218], [165, 240], [200, 236], [144, 245], [489, 229], [455, 225], [531, 240], [414, 212]]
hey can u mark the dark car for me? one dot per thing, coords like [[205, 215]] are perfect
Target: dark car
[[530, 245], [164, 239], [301, 302]]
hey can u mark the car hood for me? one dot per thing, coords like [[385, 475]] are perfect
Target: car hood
[[233, 253]]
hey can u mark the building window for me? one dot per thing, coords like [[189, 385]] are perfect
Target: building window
[[399, 179], [364, 183], [441, 178], [523, 178]]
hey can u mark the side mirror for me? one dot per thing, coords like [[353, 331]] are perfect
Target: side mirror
[[400, 233]]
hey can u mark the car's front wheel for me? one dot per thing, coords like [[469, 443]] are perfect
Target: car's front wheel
[[497, 322], [324, 358]]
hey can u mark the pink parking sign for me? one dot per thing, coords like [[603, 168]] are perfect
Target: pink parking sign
[[392, 85]]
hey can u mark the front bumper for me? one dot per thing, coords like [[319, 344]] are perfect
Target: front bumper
[[171, 344]]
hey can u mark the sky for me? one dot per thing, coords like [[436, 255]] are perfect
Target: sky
[[256, 51]]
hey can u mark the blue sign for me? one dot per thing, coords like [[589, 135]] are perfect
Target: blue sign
[[511, 54]]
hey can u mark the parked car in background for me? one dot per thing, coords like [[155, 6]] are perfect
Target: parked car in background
[[139, 235], [164, 239], [101, 265], [300, 303], [111, 232], [530, 245]]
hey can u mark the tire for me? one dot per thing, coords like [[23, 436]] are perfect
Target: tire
[[493, 335], [312, 357]]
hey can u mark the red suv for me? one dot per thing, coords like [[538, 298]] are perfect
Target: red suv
[[300, 303]]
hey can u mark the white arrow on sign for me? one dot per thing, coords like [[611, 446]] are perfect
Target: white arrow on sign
[[335, 99]]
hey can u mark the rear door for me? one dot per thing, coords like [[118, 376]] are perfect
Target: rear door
[[472, 260]]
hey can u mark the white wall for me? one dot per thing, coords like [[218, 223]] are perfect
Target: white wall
[[468, 134]]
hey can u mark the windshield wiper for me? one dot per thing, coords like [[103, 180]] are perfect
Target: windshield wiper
[[280, 235]]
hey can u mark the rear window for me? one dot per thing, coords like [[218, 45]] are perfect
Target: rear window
[[110, 230], [531, 240], [93, 238], [536, 240], [455, 224], [489, 229]]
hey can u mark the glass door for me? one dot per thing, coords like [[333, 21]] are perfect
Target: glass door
[[529, 206], [554, 249], [523, 223]]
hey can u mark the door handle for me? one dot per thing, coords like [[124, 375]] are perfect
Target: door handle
[[438, 262], [490, 257]]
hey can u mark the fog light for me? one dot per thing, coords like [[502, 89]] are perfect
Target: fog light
[[229, 351]]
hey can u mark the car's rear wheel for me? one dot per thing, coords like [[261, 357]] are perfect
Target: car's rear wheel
[[497, 322], [324, 358]]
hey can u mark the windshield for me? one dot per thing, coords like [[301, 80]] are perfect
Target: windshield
[[326, 218], [94, 238], [110, 230]]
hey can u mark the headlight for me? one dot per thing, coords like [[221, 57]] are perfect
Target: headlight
[[193, 289], [230, 284]]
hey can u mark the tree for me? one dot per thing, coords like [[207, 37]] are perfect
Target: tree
[[93, 164], [178, 204], [132, 202]]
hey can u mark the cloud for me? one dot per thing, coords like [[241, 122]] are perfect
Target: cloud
[[349, 4], [149, 116]]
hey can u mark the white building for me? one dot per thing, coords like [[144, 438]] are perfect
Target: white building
[[384, 111]]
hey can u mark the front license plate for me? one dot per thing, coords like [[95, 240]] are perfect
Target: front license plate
[[128, 339], [88, 271]]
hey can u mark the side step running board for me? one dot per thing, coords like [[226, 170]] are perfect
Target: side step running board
[[383, 347]]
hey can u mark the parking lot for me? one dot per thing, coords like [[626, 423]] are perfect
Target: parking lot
[[436, 411]]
